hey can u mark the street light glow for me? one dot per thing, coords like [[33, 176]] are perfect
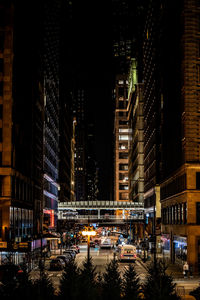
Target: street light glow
[[89, 233]]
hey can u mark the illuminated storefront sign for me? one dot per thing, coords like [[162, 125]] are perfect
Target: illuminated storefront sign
[[50, 212]]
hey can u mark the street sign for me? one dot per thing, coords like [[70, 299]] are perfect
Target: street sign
[[23, 245], [3, 244]]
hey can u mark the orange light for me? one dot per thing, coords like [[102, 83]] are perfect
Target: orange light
[[89, 233]]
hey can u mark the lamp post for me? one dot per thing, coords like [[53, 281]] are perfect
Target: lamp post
[[88, 233]]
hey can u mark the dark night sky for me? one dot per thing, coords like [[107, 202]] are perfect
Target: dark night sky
[[94, 64]]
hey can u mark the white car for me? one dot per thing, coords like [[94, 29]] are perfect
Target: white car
[[105, 243]]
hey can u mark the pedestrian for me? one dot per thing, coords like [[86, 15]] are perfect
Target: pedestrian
[[185, 269]]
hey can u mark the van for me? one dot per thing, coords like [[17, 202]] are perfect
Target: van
[[127, 253]]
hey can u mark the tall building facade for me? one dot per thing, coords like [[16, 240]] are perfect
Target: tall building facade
[[136, 137], [51, 123], [66, 121], [152, 111], [121, 134], [80, 144], [86, 171], [181, 162], [22, 115], [92, 169]]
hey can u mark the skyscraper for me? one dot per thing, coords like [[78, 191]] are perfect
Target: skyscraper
[[181, 159], [22, 115], [51, 13], [80, 99], [121, 134]]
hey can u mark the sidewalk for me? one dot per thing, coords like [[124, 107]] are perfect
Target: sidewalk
[[175, 270]]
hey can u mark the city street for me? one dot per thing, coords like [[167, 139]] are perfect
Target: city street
[[101, 257]]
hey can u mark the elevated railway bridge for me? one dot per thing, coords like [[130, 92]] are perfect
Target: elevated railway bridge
[[104, 212]]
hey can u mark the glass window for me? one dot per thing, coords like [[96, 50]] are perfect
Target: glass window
[[1, 65], [185, 213], [1, 41], [123, 196], [181, 213], [198, 48], [198, 213], [122, 104], [120, 91], [1, 111], [0, 135], [123, 146], [121, 122], [198, 74], [123, 137], [123, 155], [123, 167], [1, 88], [198, 180], [123, 130]]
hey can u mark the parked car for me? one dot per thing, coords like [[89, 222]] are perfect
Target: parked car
[[57, 264], [65, 258], [76, 248], [71, 252]]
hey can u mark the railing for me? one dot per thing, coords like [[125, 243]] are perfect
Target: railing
[[104, 204], [105, 217]]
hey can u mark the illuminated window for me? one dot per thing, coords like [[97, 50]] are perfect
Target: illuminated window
[[123, 146], [123, 130], [123, 137], [123, 196], [121, 82], [123, 167], [123, 187]]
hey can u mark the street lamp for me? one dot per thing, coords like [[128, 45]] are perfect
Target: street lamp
[[88, 233]]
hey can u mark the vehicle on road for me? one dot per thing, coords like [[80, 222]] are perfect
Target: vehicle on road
[[71, 252], [76, 248], [105, 243], [57, 264], [65, 258], [127, 253]]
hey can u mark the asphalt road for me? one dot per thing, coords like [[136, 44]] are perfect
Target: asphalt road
[[101, 257]]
